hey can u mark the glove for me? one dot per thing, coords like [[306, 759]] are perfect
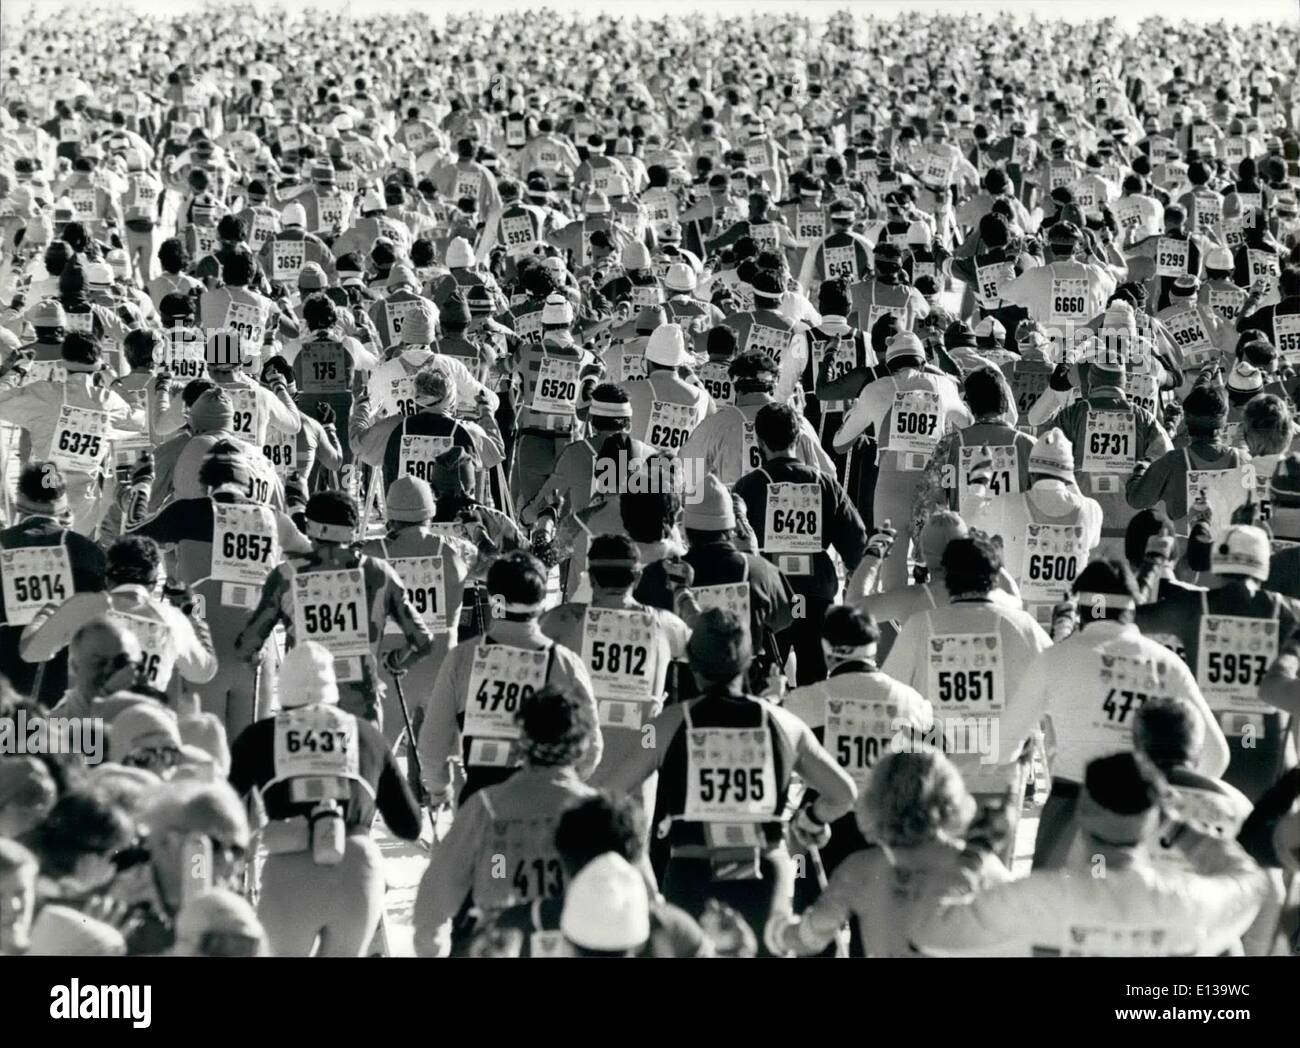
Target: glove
[[881, 541], [324, 413], [776, 935], [1140, 467], [1060, 380], [807, 831], [163, 381], [142, 473], [394, 662], [679, 574]]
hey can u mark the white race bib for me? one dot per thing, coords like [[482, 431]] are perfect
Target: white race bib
[[425, 580], [316, 741], [1110, 442], [1054, 555], [620, 652], [556, 391], [417, 453], [858, 732], [500, 678], [80, 439], [793, 518], [287, 260], [966, 674], [329, 607], [1232, 655], [914, 422], [34, 576], [669, 424]]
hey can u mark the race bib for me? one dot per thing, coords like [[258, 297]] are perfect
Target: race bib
[[158, 647], [398, 311], [417, 452], [966, 673], [556, 391], [937, 169], [1110, 442], [290, 137], [810, 226], [316, 741], [466, 186], [83, 204], [1070, 299], [425, 581], [914, 422], [329, 607], [80, 439], [765, 235], [245, 547], [751, 458], [770, 340], [669, 424], [1263, 267], [1003, 478], [730, 775], [1286, 328], [1228, 303], [264, 228], [287, 259], [1097, 939], [619, 651], [519, 235], [1233, 653], [1171, 257], [858, 732], [247, 320], [875, 312], [793, 518], [1225, 490], [1141, 390], [1053, 557], [185, 356], [34, 576], [324, 368], [756, 157], [205, 240], [716, 380], [989, 279], [281, 450], [330, 209], [81, 323], [246, 412], [729, 596], [841, 262], [1187, 329], [500, 678], [1059, 175], [1127, 684], [1209, 211]]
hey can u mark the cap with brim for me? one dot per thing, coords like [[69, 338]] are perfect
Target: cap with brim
[[1241, 550]]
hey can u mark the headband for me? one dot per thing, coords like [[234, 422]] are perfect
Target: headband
[[604, 409], [330, 532]]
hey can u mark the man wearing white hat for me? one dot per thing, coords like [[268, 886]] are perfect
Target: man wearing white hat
[[637, 285], [1045, 528], [682, 307], [323, 876], [1218, 291], [551, 381], [1231, 635], [666, 408], [464, 273], [372, 223], [907, 413], [283, 256], [1200, 331]]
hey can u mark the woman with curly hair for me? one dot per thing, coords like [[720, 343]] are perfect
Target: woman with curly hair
[[917, 810], [501, 849]]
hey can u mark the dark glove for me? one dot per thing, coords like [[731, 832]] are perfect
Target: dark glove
[[1060, 380], [143, 473], [324, 413]]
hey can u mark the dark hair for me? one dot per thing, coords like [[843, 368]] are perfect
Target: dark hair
[[556, 726], [971, 565], [518, 577], [1166, 730], [231, 227], [81, 349], [82, 822], [139, 346], [846, 627], [423, 253], [596, 825], [238, 269], [985, 392], [171, 255], [56, 257], [319, 312], [609, 576], [134, 559], [1106, 576], [194, 389], [777, 426], [41, 482]]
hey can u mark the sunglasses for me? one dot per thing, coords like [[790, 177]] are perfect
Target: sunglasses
[[154, 757]]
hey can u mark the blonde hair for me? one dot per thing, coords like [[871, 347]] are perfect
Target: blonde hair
[[913, 798]]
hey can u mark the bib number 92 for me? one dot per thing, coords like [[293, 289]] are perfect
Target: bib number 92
[[731, 784]]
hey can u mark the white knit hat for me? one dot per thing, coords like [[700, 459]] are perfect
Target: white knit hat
[[636, 255], [607, 906], [680, 277], [459, 253], [667, 347], [294, 214], [1241, 550], [557, 310], [713, 510], [307, 676], [904, 344], [1053, 456]]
